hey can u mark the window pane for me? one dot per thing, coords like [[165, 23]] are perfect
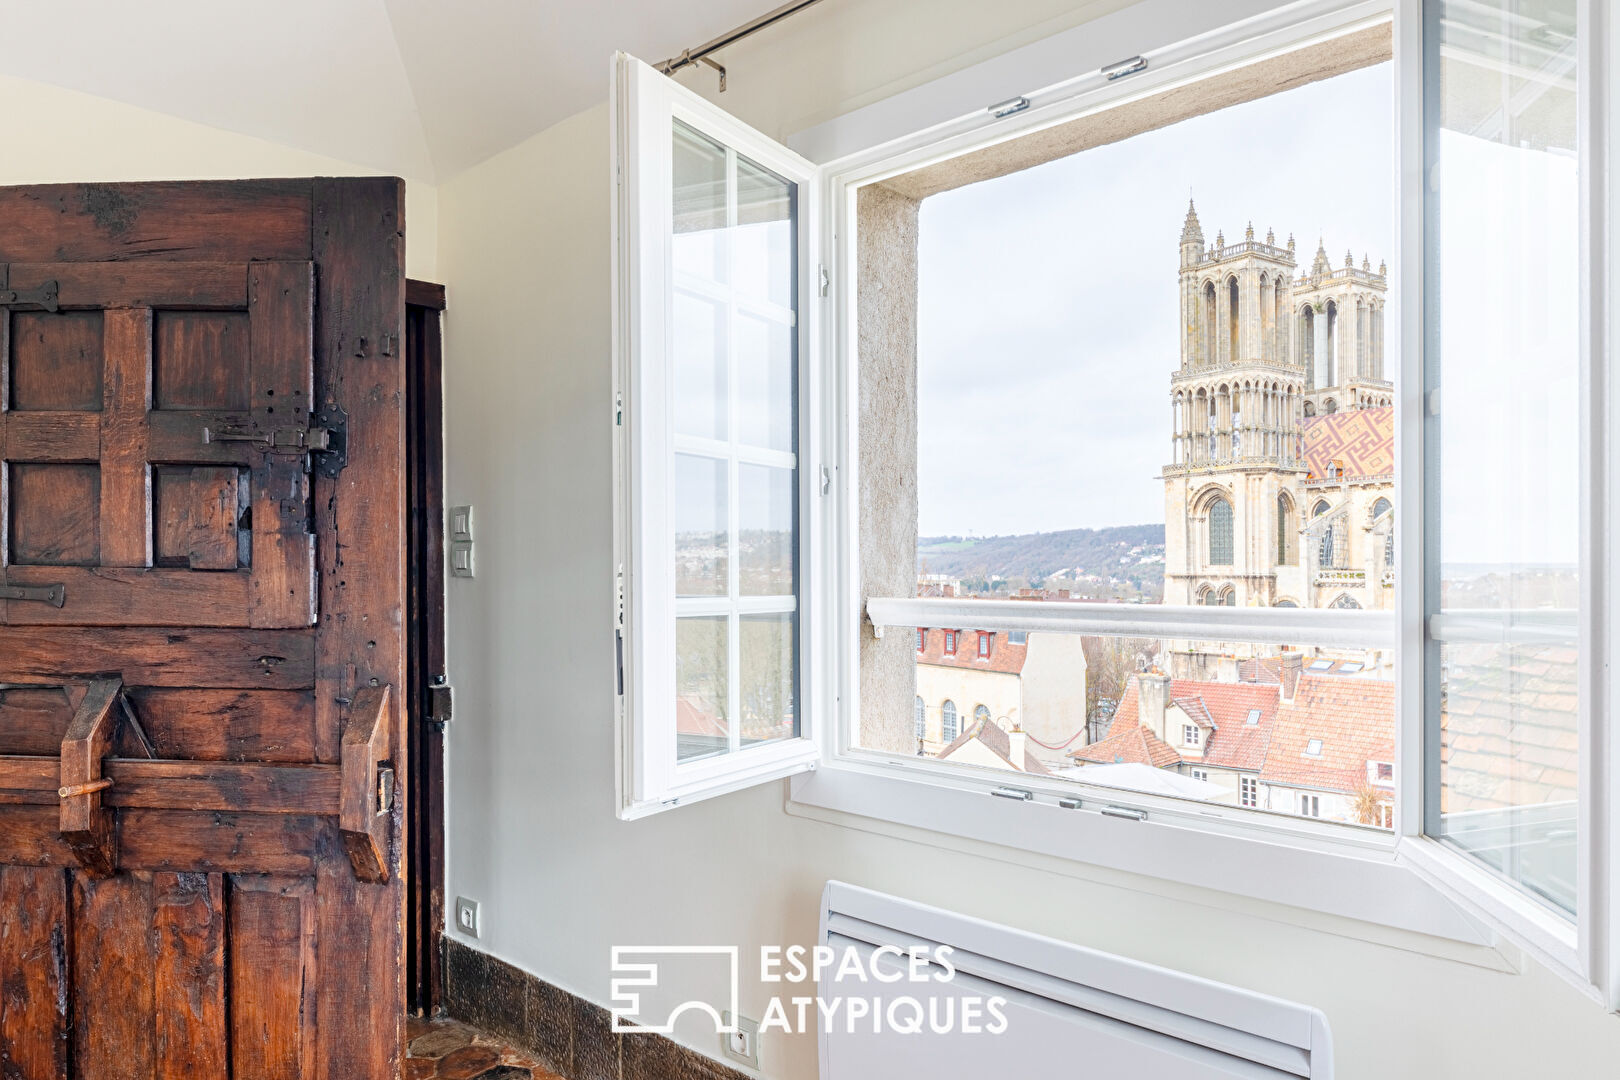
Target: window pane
[[735, 478], [699, 378], [1504, 466], [765, 548], [769, 648], [764, 235], [701, 696], [765, 376], [700, 526], [700, 205]]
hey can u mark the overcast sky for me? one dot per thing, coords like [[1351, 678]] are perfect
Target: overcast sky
[[1048, 304]]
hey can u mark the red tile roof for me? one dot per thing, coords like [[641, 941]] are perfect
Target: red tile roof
[[1224, 707], [1354, 718], [1354, 442], [1004, 656]]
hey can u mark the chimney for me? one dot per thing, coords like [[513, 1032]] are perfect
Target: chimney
[[1152, 695], [1292, 664], [1015, 746]]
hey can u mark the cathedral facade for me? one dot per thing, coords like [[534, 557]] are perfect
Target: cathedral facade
[[1280, 487]]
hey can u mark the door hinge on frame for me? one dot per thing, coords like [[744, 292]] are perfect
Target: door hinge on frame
[[440, 701]]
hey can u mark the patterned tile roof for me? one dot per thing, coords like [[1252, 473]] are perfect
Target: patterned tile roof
[[1004, 656], [1354, 718], [1356, 442]]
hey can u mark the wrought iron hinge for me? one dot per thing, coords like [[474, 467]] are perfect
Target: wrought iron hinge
[[441, 701], [42, 297], [54, 595]]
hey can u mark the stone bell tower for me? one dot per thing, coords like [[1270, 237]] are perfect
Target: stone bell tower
[[1236, 399]]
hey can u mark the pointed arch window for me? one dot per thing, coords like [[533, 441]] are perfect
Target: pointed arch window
[[1220, 533], [1286, 552]]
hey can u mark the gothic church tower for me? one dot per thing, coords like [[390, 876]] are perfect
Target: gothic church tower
[[1261, 350]]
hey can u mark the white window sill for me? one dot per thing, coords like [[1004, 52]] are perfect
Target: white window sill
[[1299, 873]]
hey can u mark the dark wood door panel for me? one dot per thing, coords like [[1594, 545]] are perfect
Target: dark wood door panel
[[193, 754], [219, 659], [220, 221]]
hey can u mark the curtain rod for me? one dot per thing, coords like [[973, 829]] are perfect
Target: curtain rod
[[700, 55]]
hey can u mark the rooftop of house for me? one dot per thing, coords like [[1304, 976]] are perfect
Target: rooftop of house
[[998, 742], [1326, 736], [1005, 657], [1354, 443], [1225, 708]]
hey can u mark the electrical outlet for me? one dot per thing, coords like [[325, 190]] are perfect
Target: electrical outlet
[[743, 1044], [467, 916]]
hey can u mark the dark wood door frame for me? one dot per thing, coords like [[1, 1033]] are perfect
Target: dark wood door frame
[[424, 894]]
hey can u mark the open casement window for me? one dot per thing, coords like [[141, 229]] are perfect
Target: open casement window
[[713, 432]]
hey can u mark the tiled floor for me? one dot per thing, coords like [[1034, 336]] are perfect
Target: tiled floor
[[450, 1050]]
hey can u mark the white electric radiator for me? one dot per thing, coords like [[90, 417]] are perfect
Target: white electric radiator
[[1069, 1012]]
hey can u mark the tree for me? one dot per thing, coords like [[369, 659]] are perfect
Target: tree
[[1110, 663]]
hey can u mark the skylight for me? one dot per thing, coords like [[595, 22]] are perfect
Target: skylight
[[1350, 669], [1254, 717], [1321, 665], [1313, 748]]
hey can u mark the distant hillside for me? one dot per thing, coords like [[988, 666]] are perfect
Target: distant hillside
[[1127, 552]]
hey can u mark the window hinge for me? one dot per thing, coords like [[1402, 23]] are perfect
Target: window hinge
[[1124, 68], [1012, 793], [618, 658], [825, 281], [826, 480], [1432, 402], [1125, 812], [618, 408], [1008, 107]]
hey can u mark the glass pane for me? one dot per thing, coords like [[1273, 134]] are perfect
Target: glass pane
[[702, 724], [700, 366], [765, 548], [1505, 462], [766, 392], [700, 526], [764, 235], [769, 678], [700, 204], [734, 364]]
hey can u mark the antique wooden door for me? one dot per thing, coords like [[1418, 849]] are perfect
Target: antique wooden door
[[201, 649]]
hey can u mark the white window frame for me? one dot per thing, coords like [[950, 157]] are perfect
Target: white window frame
[[1401, 879], [644, 107], [1189, 734]]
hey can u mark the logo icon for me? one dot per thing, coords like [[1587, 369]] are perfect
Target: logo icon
[[640, 967]]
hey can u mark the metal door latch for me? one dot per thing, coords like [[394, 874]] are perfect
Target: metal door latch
[[385, 789], [54, 595], [280, 440], [42, 297]]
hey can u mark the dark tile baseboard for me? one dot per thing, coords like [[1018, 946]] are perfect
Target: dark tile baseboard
[[569, 1035]]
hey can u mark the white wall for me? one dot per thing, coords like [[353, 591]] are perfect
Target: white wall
[[55, 136], [532, 834]]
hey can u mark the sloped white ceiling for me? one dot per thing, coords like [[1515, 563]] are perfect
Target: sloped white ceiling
[[423, 88]]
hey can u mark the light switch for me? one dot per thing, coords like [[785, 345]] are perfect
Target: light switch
[[461, 523], [461, 560]]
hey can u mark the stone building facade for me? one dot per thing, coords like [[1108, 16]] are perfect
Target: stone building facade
[[1280, 486]]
